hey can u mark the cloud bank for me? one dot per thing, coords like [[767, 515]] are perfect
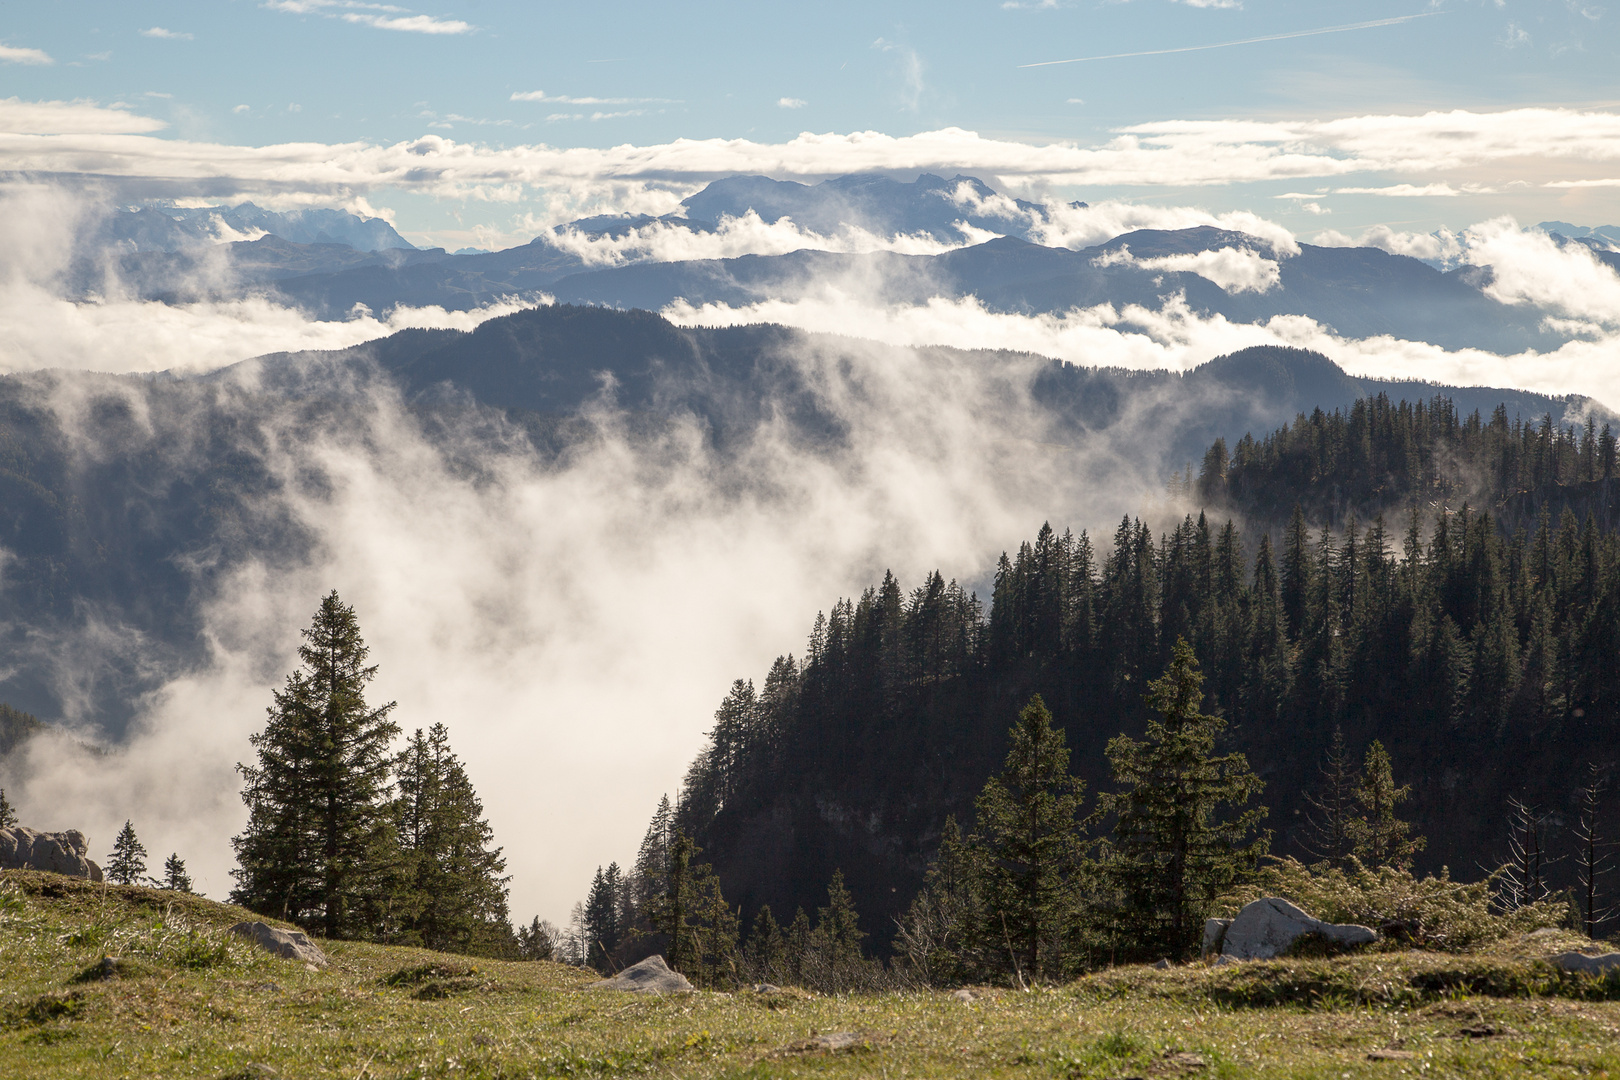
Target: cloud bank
[[1544, 144]]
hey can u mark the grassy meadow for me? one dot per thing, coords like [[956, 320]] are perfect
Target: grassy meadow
[[183, 999]]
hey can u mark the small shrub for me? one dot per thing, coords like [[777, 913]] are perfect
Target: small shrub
[[1435, 912], [55, 1007]]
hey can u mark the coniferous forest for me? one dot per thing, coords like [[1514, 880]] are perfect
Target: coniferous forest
[[1396, 601], [1375, 641]]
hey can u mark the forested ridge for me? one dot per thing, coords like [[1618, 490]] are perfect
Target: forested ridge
[[1364, 593]]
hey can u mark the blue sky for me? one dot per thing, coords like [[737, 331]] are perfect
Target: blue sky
[[489, 76]]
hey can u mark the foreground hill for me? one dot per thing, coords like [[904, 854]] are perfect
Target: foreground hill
[[182, 998]]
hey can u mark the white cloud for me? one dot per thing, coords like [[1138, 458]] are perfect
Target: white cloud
[[791, 103], [379, 16], [1403, 191], [166, 35], [1603, 183], [14, 54], [1443, 246], [20, 117], [1235, 270], [240, 108], [568, 99], [1530, 267], [1176, 153], [747, 235], [413, 24]]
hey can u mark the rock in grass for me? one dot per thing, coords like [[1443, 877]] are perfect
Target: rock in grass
[[1214, 935], [288, 944], [964, 995], [54, 852], [651, 976], [1588, 965], [1267, 927]]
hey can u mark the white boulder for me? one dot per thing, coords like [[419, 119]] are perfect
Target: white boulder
[[1267, 927], [1591, 965], [288, 944], [651, 976]]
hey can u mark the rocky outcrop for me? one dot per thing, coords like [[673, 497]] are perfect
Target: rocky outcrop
[[1214, 936], [287, 944], [651, 976], [1589, 965], [55, 852], [1269, 926]]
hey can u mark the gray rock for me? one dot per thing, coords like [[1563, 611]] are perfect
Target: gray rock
[[1591, 965], [1267, 927], [287, 944], [964, 995], [651, 976], [767, 988], [1214, 934], [55, 852], [1163, 965]]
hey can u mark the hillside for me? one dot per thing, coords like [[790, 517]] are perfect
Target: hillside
[[183, 999], [133, 504], [1479, 657]]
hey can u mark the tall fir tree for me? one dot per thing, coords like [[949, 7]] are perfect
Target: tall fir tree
[[603, 923], [1173, 852], [1377, 837], [699, 930], [8, 816], [1029, 836], [127, 863], [319, 847], [452, 895]]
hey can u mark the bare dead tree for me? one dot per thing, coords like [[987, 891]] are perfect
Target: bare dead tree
[[1594, 851], [1524, 878], [1332, 804]]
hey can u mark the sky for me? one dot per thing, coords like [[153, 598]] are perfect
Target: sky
[[483, 121]]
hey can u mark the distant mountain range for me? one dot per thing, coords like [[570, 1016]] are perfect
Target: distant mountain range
[[1357, 292], [173, 228], [928, 206]]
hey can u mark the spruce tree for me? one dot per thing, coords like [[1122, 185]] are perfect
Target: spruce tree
[[699, 929], [602, 918], [8, 816], [1029, 833], [1172, 851], [942, 934], [174, 874], [452, 895], [1377, 836], [127, 863], [319, 848], [838, 934], [765, 951]]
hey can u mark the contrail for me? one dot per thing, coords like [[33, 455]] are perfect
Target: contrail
[[1246, 41]]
